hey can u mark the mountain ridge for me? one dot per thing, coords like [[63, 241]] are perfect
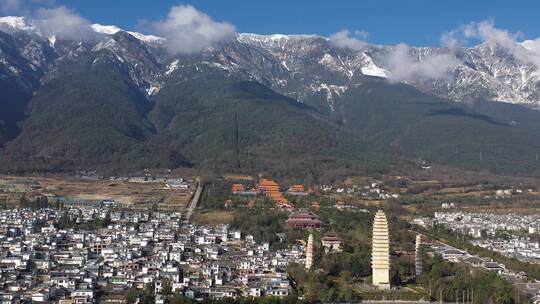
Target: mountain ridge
[[301, 104], [485, 71]]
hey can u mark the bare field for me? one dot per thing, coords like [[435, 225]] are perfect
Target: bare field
[[123, 192], [213, 217]]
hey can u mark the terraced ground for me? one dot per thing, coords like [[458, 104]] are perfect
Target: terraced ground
[[136, 195]]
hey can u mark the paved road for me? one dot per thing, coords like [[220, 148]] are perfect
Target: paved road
[[193, 203]]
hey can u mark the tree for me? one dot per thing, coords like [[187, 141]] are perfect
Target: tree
[[132, 295], [448, 281], [178, 298], [297, 272], [403, 269], [23, 201], [57, 204], [166, 289], [148, 296], [347, 294]]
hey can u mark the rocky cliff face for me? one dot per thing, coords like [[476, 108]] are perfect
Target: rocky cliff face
[[300, 66]]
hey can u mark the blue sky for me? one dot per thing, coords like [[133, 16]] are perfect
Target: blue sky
[[413, 22]]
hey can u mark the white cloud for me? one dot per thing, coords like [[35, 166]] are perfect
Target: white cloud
[[345, 39], [62, 23], [451, 39], [485, 31], [403, 67], [459, 36], [11, 6], [188, 30]]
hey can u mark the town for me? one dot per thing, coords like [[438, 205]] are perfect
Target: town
[[44, 259], [171, 240]]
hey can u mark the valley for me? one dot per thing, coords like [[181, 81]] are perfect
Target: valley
[[352, 152]]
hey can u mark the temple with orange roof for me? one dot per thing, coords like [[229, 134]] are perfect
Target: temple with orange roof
[[297, 189], [271, 189], [236, 188], [266, 185], [240, 189]]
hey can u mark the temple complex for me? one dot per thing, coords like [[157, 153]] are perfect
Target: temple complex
[[304, 219], [271, 189]]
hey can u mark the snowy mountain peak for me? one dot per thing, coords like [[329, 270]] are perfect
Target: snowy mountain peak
[[371, 69], [274, 37], [111, 30], [105, 29], [275, 40], [25, 24], [17, 23], [532, 45], [298, 65]]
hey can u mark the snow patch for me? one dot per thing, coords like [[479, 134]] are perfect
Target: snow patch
[[14, 70], [105, 29], [110, 44], [250, 37], [282, 82], [372, 70], [153, 89], [275, 41], [17, 23], [172, 67], [52, 40], [217, 65], [331, 91], [327, 59], [111, 30]]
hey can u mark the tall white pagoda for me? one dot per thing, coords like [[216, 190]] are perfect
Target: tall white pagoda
[[419, 265], [309, 252], [380, 257]]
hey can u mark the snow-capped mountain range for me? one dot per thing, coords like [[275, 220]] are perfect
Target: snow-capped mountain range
[[300, 66]]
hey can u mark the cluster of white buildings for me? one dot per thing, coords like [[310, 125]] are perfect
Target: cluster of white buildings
[[170, 181], [372, 190], [487, 228], [455, 255], [522, 248], [39, 261]]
